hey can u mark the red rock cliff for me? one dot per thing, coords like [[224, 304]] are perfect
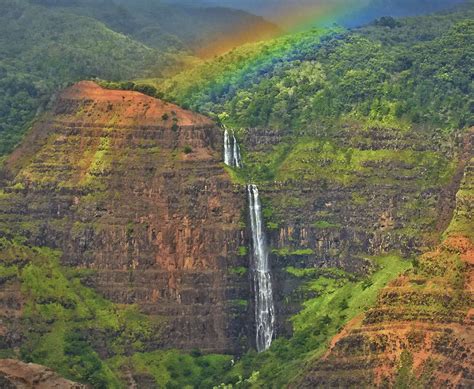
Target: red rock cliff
[[133, 188]]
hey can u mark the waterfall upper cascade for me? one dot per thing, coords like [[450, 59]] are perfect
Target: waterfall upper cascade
[[231, 150], [264, 308]]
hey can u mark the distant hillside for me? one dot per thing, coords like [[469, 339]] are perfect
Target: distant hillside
[[197, 27], [350, 12], [45, 44], [184, 26], [43, 48]]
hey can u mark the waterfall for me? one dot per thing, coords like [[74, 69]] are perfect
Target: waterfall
[[227, 149], [231, 150], [262, 282], [236, 152], [264, 309]]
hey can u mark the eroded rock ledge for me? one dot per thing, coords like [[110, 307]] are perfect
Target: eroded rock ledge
[[19, 375]]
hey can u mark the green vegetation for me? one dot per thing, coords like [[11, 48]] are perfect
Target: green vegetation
[[322, 224], [323, 159], [173, 369], [64, 321], [286, 252], [187, 149], [133, 86], [416, 72], [243, 251], [166, 25], [239, 271], [339, 298], [317, 272], [222, 77], [358, 296]]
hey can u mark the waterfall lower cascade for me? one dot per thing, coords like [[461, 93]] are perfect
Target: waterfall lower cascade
[[264, 309], [231, 150]]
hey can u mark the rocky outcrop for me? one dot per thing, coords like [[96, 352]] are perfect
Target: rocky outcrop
[[19, 375], [133, 188]]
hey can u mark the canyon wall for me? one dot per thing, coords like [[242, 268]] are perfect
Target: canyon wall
[[420, 333], [341, 194], [133, 192], [133, 189]]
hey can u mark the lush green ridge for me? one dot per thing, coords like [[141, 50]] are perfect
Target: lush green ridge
[[415, 70]]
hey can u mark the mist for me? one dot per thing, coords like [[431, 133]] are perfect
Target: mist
[[350, 12]]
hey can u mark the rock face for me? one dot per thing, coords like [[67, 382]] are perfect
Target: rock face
[[421, 331], [133, 188], [19, 375], [340, 198]]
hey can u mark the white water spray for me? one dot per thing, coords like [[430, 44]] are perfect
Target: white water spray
[[231, 150], [264, 309]]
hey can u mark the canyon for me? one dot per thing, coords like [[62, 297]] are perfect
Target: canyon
[[133, 193]]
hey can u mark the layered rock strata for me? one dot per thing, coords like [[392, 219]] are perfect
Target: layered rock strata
[[133, 188]]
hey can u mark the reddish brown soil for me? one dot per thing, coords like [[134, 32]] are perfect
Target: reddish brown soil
[[128, 107], [145, 202]]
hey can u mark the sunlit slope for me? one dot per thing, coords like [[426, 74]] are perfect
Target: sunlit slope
[[414, 70]]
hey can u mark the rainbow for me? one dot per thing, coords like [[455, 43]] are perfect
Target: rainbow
[[292, 16], [301, 16]]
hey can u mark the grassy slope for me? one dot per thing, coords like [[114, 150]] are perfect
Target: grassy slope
[[59, 313], [339, 297]]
